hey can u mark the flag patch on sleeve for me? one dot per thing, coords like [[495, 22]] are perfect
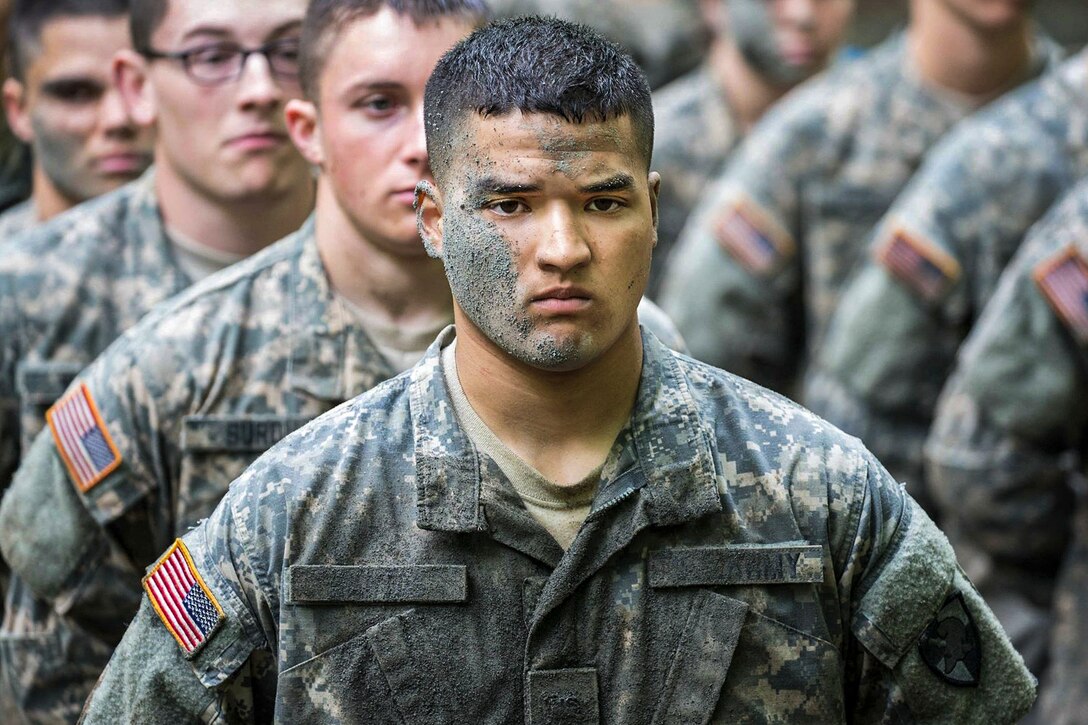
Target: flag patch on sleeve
[[752, 237], [182, 599], [923, 267], [82, 440], [1064, 281]]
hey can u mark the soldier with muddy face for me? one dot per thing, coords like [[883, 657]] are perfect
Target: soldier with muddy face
[[552, 518]]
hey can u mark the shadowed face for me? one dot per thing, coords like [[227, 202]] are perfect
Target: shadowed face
[[545, 228]]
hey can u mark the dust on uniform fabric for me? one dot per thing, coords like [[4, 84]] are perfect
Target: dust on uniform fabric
[[183, 403], [742, 561], [758, 271], [694, 133], [1010, 432], [935, 260]]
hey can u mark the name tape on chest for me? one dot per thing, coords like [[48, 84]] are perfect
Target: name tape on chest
[[182, 600], [923, 267], [1064, 281], [752, 237], [82, 440]]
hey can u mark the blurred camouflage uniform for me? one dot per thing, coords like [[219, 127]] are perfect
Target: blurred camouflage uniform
[[189, 398], [936, 259], [1012, 425], [15, 168], [666, 37], [18, 219], [757, 273], [694, 132], [743, 561]]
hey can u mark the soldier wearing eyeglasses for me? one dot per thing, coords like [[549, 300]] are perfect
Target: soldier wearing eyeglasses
[[226, 182]]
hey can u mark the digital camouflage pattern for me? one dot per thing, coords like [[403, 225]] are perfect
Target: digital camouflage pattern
[[811, 182], [666, 37], [742, 562], [67, 290], [18, 219], [1011, 425], [889, 349], [694, 132]]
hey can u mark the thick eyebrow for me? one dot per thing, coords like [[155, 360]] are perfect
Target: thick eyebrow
[[227, 33], [619, 182], [495, 185], [376, 85]]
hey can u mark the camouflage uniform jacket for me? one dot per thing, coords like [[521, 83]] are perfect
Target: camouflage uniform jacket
[[188, 398], [758, 272], [18, 219], [936, 260], [694, 132], [743, 562], [1013, 421]]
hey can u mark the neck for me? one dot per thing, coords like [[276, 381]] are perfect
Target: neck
[[237, 226], [748, 93], [561, 423], [950, 53], [408, 289], [48, 199]]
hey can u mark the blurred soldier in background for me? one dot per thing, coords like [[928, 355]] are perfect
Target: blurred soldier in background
[[227, 181], [14, 155], [62, 99], [758, 271], [666, 37], [758, 51], [1011, 428]]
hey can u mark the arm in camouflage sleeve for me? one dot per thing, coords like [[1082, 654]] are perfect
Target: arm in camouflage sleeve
[[9, 399], [1009, 418], [926, 646]]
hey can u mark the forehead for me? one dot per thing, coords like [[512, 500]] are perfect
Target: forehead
[[244, 20], [532, 144], [79, 45]]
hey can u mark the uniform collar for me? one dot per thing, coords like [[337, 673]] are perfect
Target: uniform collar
[[671, 466]]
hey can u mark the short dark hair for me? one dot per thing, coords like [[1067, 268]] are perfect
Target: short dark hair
[[534, 65], [325, 19], [145, 16], [29, 17]]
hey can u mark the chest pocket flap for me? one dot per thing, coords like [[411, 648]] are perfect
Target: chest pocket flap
[[420, 583], [43, 383], [237, 433], [737, 564]]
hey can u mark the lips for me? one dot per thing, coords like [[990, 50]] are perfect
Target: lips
[[258, 140], [562, 300], [124, 162]]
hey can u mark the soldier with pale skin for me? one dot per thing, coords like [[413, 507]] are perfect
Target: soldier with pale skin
[[758, 51], [63, 100], [562, 518]]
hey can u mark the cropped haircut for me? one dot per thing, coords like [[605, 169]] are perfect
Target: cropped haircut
[[326, 19], [145, 16], [29, 17], [534, 65]]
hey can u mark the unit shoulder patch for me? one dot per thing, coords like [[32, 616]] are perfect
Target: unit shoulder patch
[[182, 600], [1063, 278], [752, 237], [951, 646], [922, 266], [84, 444]]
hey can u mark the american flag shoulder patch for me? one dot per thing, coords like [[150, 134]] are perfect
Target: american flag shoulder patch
[[1063, 278], [923, 267], [752, 237], [82, 440], [182, 600]]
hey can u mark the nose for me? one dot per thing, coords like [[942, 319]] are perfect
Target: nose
[[113, 116], [414, 151], [565, 246], [257, 86], [800, 13]]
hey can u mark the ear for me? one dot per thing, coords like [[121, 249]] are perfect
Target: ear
[[305, 131], [654, 182], [429, 218], [137, 94], [16, 111]]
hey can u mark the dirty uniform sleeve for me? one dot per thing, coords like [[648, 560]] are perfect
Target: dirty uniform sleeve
[[222, 672], [926, 648], [732, 284], [1001, 451], [9, 399]]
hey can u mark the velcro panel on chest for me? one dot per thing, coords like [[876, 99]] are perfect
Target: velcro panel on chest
[[564, 697], [745, 564], [237, 433], [905, 590], [44, 383], [424, 583]]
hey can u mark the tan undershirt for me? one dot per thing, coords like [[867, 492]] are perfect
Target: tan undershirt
[[559, 509], [401, 345], [199, 260]]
